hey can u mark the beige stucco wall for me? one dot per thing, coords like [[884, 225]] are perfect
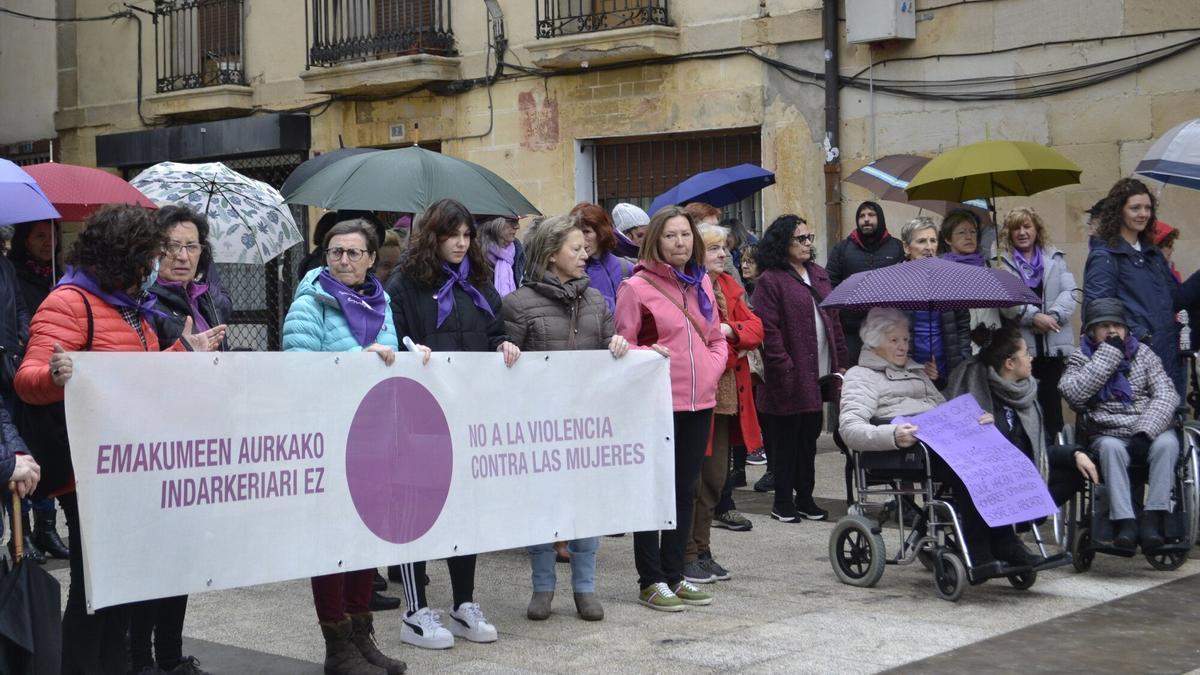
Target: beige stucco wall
[[28, 74]]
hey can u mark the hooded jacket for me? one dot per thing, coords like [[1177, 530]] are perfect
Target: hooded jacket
[[467, 329], [876, 389], [855, 254], [549, 315], [315, 322]]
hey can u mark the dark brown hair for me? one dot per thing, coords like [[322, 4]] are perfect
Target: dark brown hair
[[169, 216], [594, 216], [1112, 215], [658, 222], [438, 223], [118, 246], [353, 226]]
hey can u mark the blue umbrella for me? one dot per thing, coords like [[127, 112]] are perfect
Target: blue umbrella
[[1174, 159], [21, 199], [718, 187]]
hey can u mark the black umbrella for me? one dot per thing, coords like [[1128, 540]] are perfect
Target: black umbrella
[[309, 168], [30, 622]]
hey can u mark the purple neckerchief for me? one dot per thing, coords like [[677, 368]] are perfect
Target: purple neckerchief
[[192, 291], [692, 275], [1031, 269], [502, 258], [606, 274], [461, 278], [78, 277], [364, 312], [1118, 386], [975, 258]]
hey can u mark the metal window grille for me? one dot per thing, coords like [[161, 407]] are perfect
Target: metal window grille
[[568, 17], [638, 170], [356, 30], [198, 43]]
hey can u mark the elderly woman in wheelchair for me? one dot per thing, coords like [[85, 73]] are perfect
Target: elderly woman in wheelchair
[[886, 384], [1130, 405]]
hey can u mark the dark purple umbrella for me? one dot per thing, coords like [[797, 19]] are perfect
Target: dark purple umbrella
[[718, 187], [931, 285]]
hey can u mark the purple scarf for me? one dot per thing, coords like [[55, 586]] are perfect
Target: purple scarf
[[1118, 386], [502, 260], [692, 275], [975, 258], [1031, 269], [192, 292], [144, 305], [606, 274], [364, 312], [461, 278]]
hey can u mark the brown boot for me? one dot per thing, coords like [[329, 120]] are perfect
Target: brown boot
[[561, 553], [341, 655], [363, 637]]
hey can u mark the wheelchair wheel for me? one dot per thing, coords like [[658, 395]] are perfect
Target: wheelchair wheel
[[1081, 553], [1023, 581], [1167, 561], [952, 580], [856, 551]]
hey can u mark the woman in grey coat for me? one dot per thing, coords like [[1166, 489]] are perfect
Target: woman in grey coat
[[554, 310], [1045, 326]]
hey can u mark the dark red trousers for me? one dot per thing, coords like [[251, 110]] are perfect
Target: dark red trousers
[[341, 594]]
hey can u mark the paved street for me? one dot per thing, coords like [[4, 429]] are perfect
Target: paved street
[[784, 611]]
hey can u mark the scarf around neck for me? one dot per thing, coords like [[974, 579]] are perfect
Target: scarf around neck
[[502, 262], [1032, 268], [692, 276], [975, 258], [364, 311], [143, 305], [460, 277], [192, 291], [1118, 386]]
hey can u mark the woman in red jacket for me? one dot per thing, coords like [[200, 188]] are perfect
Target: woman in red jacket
[[743, 332], [99, 305], [801, 343]]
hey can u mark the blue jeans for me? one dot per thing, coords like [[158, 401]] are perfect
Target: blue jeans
[[583, 565]]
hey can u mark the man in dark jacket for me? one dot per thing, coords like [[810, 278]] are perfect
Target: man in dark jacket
[[868, 247]]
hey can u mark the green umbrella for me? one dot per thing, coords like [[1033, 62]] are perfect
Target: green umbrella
[[408, 180], [992, 169]]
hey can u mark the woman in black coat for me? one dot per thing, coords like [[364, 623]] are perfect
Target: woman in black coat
[[178, 290], [443, 298]]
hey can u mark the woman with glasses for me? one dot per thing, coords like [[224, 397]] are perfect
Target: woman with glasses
[[179, 291], [801, 344], [341, 307]]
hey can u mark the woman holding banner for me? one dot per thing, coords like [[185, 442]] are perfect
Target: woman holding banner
[[668, 305], [442, 296], [99, 305], [341, 307], [557, 309]]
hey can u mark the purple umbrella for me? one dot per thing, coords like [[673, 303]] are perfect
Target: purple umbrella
[[932, 285], [718, 187], [21, 199]]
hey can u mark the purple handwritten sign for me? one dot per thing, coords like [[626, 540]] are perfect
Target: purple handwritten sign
[[1004, 485]]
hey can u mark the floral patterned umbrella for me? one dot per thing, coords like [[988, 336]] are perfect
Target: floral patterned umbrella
[[247, 219]]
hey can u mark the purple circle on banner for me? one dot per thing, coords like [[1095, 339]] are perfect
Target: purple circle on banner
[[399, 460]]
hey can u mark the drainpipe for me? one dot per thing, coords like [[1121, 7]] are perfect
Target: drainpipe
[[833, 167]]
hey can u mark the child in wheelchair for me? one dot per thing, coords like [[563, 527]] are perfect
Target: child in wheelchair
[[1130, 402]]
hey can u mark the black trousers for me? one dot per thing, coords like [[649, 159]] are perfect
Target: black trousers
[[737, 462], [792, 444], [658, 556], [96, 643], [462, 581], [1048, 371], [160, 622]]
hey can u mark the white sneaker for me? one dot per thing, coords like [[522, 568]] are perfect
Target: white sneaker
[[468, 622], [424, 629]]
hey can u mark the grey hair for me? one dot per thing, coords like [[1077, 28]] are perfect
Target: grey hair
[[879, 322], [489, 231], [545, 238], [912, 227], [710, 231]]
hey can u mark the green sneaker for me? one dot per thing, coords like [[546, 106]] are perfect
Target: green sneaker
[[659, 596], [690, 594]]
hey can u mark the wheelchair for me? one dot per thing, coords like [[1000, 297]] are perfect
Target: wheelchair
[[1087, 529], [934, 537]]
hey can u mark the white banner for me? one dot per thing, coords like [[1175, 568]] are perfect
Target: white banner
[[200, 472]]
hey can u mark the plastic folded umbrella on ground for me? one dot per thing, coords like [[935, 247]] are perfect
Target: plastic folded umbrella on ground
[[932, 285], [30, 623], [718, 187], [1174, 159], [77, 191], [310, 168], [887, 177], [21, 198]]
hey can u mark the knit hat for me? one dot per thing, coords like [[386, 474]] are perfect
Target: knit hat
[[627, 216], [1104, 309], [1162, 231]]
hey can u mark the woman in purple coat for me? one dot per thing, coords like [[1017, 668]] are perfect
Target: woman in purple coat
[[605, 270], [801, 343]]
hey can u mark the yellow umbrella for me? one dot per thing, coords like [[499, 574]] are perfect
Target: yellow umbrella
[[991, 169]]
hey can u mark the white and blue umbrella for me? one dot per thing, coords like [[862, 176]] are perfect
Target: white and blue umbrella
[[247, 219], [1174, 159]]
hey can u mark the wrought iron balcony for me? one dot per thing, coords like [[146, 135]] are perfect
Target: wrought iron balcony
[[340, 31], [198, 43], [571, 17]]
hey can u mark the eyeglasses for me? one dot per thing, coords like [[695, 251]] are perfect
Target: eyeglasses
[[354, 254], [192, 250], [804, 238]]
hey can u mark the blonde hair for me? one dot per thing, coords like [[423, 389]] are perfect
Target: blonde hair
[[713, 234], [1015, 218]]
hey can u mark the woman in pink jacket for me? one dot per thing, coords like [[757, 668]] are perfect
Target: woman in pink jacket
[[668, 305]]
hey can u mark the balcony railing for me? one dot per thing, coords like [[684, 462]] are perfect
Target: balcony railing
[[198, 43], [339, 31], [571, 17]]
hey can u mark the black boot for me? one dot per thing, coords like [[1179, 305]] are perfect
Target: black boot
[[1125, 533], [383, 603], [45, 535], [1151, 530], [341, 654], [379, 583], [363, 637]]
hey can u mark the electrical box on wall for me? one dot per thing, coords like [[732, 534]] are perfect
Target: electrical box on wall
[[876, 20]]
